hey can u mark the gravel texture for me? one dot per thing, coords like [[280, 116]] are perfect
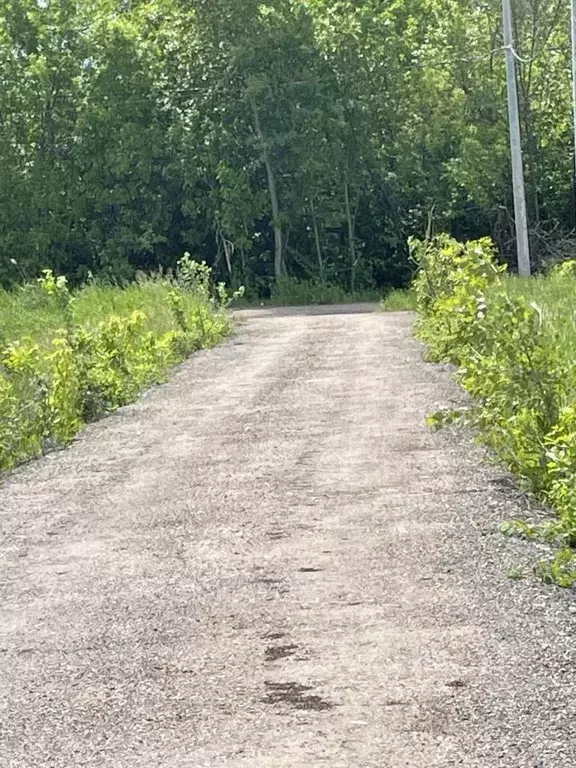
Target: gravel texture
[[271, 562]]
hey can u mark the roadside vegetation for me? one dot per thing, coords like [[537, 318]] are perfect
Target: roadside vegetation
[[399, 300], [513, 342], [70, 357], [288, 291]]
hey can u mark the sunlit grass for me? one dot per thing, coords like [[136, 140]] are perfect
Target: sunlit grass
[[555, 298], [28, 312], [399, 300]]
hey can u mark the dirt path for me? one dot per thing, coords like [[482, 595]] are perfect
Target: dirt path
[[272, 563]]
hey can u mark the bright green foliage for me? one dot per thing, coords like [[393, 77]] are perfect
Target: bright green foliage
[[399, 300], [288, 137], [101, 347], [515, 357], [451, 290], [565, 268]]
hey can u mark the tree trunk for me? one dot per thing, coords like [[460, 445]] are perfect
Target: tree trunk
[[351, 233], [317, 241], [278, 234]]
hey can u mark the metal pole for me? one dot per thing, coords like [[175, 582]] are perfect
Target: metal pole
[[516, 147], [574, 76]]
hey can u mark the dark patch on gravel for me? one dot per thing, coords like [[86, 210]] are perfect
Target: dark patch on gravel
[[275, 652], [277, 535], [296, 696]]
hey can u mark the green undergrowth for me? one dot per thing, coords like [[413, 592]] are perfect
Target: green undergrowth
[[513, 342], [290, 292], [68, 358], [399, 301]]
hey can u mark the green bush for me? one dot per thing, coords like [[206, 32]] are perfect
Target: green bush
[[73, 372], [519, 369]]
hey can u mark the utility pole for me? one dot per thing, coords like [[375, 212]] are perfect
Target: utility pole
[[521, 224], [574, 81]]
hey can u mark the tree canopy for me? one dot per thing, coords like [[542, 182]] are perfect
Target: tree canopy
[[306, 138]]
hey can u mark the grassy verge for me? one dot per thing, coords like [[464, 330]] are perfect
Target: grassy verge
[[399, 301], [30, 312], [513, 342], [67, 358], [555, 297]]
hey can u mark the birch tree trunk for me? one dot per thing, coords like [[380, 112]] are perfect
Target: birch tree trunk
[[278, 234]]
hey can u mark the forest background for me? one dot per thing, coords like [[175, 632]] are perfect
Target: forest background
[[301, 139]]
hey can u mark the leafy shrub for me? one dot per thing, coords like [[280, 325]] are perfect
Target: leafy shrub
[[513, 362], [565, 268], [50, 389], [194, 276]]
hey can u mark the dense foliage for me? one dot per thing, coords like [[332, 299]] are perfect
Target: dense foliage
[[287, 137], [92, 351], [513, 342]]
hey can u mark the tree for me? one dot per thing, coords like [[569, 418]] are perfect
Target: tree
[[305, 138]]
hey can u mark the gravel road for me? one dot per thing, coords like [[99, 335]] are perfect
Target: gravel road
[[271, 562]]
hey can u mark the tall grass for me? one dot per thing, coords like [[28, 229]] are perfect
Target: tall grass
[[399, 300], [554, 296], [27, 312], [69, 358], [288, 291]]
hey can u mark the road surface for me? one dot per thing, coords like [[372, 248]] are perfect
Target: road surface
[[271, 562]]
